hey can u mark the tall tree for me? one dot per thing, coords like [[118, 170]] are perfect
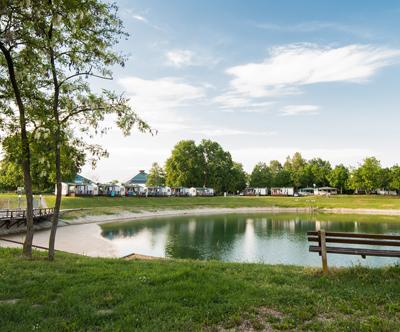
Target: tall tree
[[338, 177], [185, 167], [217, 165], [321, 170], [295, 164], [395, 179], [283, 179], [73, 41], [238, 178], [261, 176], [18, 89], [368, 174], [156, 176], [275, 166]]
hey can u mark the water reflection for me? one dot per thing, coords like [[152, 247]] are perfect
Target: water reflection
[[264, 238]]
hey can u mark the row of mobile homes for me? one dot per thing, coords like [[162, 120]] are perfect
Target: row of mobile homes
[[75, 189], [325, 191], [275, 191], [386, 191], [251, 191], [132, 190], [201, 192], [179, 191], [306, 191]]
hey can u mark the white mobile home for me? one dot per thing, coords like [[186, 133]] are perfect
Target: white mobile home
[[75, 189], [251, 191], [325, 190], [387, 191], [306, 191], [106, 190], [179, 191], [276, 191], [200, 191]]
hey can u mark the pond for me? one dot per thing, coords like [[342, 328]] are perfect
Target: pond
[[256, 237]]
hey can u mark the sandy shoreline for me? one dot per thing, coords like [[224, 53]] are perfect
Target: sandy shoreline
[[126, 215]]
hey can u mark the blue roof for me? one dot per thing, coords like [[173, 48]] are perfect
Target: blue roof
[[79, 179], [139, 178]]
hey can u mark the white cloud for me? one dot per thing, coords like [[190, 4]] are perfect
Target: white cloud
[[299, 109], [234, 101], [211, 131], [140, 18], [180, 58], [160, 101], [291, 66]]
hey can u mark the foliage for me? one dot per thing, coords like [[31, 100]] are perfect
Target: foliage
[[295, 164], [369, 173], [275, 166], [156, 176], [217, 165], [238, 178], [395, 179], [338, 177], [185, 166], [206, 165], [283, 179], [43, 172], [261, 177], [321, 170]]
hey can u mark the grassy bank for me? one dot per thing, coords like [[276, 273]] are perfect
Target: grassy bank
[[77, 293], [339, 201]]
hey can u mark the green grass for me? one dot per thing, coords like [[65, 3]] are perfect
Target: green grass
[[340, 201], [77, 293]]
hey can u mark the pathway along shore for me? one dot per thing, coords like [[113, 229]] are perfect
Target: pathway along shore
[[126, 215]]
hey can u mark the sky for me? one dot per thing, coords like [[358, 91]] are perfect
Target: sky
[[264, 79]]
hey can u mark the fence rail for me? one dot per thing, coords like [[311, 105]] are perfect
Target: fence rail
[[17, 217]]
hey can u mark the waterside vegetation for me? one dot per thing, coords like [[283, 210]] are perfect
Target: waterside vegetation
[[98, 294], [311, 202]]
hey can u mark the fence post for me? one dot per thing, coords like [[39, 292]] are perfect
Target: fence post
[[322, 241]]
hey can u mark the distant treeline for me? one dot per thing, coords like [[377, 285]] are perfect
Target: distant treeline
[[208, 165]]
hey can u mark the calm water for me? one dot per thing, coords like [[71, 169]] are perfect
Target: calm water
[[257, 237]]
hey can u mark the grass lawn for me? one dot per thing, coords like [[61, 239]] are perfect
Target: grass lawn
[[339, 201], [77, 293]]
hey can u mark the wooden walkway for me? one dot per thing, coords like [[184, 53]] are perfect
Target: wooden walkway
[[17, 217]]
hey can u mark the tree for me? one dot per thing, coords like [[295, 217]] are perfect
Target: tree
[[65, 43], [16, 33], [338, 177], [43, 172], [395, 179], [283, 179], [217, 165], [275, 166], [295, 164], [261, 176], [321, 170], [185, 167], [367, 175], [385, 178], [156, 176], [238, 178]]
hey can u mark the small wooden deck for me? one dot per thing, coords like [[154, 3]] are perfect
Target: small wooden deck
[[17, 217]]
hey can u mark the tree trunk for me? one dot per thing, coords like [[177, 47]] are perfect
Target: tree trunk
[[54, 225], [27, 248]]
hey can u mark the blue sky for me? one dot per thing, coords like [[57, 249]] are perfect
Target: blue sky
[[265, 79]]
